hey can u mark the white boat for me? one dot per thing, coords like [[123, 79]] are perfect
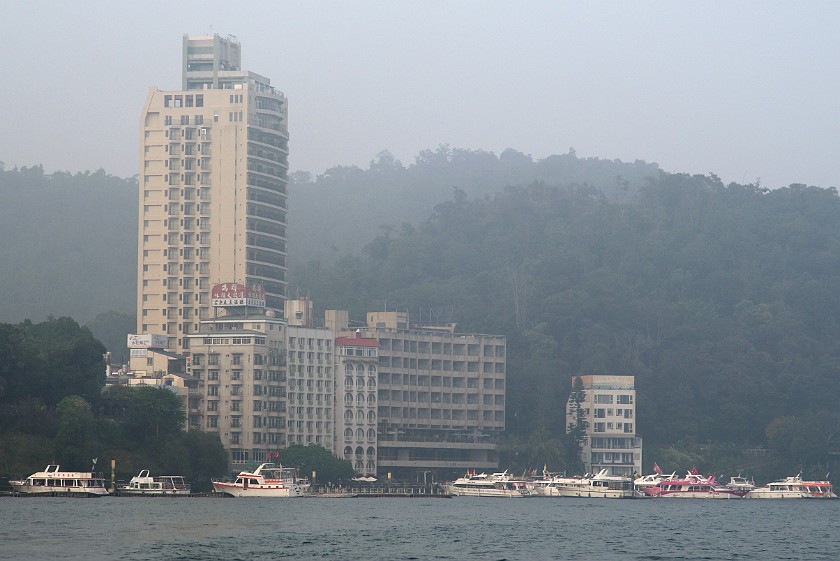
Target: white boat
[[267, 480], [600, 485], [492, 485], [793, 488], [53, 481], [740, 483], [145, 484]]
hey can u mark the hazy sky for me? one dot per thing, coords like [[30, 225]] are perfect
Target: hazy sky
[[742, 89]]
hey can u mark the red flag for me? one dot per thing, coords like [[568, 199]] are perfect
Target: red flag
[[268, 455], [694, 471], [656, 468], [277, 454]]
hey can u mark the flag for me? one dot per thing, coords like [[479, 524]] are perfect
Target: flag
[[276, 454], [656, 468], [694, 471]]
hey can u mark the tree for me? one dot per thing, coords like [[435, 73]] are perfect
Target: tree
[[149, 414], [578, 425], [77, 442], [318, 459]]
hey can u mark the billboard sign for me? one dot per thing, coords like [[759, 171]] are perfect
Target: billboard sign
[[238, 294], [147, 341]]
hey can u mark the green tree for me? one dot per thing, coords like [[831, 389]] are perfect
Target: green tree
[[318, 459], [578, 425], [77, 442]]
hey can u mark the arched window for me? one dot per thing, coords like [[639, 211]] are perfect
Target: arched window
[[348, 415], [360, 416], [348, 398], [360, 465], [371, 399], [360, 382], [348, 382], [371, 383], [348, 369], [360, 435], [371, 452], [371, 416], [360, 369], [348, 451], [371, 434], [360, 399], [371, 467], [359, 451], [371, 370], [348, 434]]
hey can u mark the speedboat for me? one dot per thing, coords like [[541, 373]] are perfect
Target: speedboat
[[145, 484], [53, 481], [267, 480], [794, 488]]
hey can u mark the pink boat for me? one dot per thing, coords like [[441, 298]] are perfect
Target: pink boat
[[693, 486]]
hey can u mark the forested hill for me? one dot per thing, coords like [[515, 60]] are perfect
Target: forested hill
[[339, 211], [69, 244], [721, 300]]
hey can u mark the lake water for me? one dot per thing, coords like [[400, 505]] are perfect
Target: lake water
[[417, 529]]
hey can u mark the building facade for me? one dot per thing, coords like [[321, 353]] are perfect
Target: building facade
[[213, 186], [237, 382], [439, 404], [608, 404]]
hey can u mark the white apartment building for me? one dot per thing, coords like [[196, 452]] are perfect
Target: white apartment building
[[609, 407], [212, 190], [311, 378]]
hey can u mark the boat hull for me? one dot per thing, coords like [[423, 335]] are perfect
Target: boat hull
[[276, 491], [77, 491], [489, 492]]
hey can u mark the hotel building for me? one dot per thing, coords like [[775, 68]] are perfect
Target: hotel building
[[609, 407], [212, 189], [417, 400]]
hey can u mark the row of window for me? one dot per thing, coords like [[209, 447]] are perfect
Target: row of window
[[603, 427]]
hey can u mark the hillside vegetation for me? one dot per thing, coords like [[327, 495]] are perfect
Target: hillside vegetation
[[720, 299]]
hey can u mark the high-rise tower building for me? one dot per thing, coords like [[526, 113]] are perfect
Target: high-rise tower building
[[213, 185]]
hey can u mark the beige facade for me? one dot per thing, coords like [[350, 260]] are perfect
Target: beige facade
[[213, 185], [440, 396], [238, 384], [609, 407]]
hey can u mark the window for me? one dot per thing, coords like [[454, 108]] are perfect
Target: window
[[212, 390], [212, 422], [236, 422], [605, 399]]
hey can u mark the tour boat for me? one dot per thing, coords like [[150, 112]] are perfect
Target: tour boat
[[267, 480], [52, 481], [793, 488], [600, 485], [145, 484], [493, 485], [693, 486]]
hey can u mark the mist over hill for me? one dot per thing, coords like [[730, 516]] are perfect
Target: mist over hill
[[720, 299], [339, 211]]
